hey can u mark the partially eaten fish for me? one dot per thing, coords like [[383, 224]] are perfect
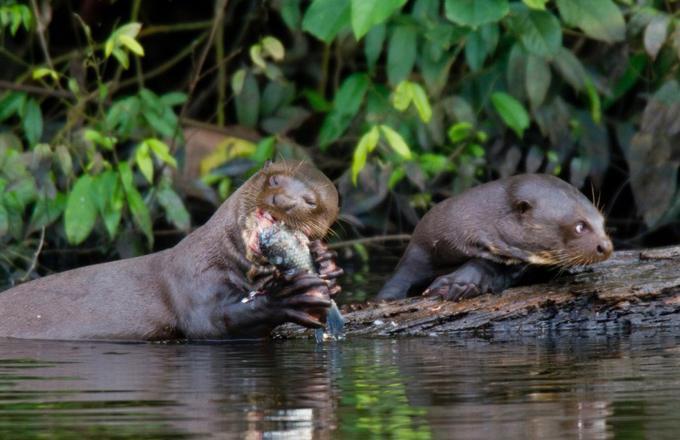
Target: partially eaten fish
[[288, 250]]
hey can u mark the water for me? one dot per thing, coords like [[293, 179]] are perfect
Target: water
[[464, 387]]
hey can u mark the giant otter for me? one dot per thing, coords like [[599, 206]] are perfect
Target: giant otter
[[480, 240], [199, 288]]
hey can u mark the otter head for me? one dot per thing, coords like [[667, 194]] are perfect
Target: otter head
[[555, 223], [294, 193]]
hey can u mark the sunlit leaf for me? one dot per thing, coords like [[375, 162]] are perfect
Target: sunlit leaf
[[144, 161], [368, 13], [132, 45], [511, 111], [421, 102], [162, 151], [41, 72], [396, 141], [274, 48], [459, 131], [366, 144], [655, 35], [594, 100]]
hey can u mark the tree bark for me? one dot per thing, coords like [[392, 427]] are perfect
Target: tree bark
[[632, 290]]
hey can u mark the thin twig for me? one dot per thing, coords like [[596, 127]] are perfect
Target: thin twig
[[217, 21], [368, 240], [41, 33], [36, 254], [8, 85], [221, 75]]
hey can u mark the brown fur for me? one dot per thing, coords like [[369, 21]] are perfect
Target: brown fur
[[192, 290]]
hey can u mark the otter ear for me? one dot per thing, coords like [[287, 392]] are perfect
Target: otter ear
[[523, 206], [267, 164]]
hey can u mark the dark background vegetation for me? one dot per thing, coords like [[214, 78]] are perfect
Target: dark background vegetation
[[123, 124]]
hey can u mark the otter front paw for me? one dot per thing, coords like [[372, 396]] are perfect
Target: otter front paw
[[471, 279], [326, 265], [303, 299]]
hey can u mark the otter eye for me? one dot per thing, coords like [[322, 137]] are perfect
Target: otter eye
[[309, 200], [580, 227], [274, 180]]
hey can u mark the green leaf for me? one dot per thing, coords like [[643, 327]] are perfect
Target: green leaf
[[173, 98], [81, 212], [373, 45], [110, 198], [599, 19], [475, 12], [655, 35], [41, 72], [11, 104], [421, 102], [139, 210], [122, 57], [459, 131], [594, 100], [4, 220], [256, 56], [366, 144], [248, 102], [402, 96], [539, 31], [401, 53], [46, 211], [346, 104], [396, 141], [325, 18], [273, 47], [290, 12], [63, 158], [537, 80], [132, 45], [32, 122], [535, 4], [129, 29], [175, 211], [368, 13], [480, 44], [238, 80], [144, 162], [395, 177], [161, 150], [570, 68], [511, 111]]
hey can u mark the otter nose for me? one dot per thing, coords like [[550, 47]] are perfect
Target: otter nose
[[605, 248], [283, 202]]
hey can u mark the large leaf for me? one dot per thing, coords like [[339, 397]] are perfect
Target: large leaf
[[110, 199], [81, 212], [32, 122], [599, 19], [537, 80], [655, 34], [475, 12], [401, 53], [325, 18], [480, 44], [248, 102], [175, 211], [346, 104], [368, 13], [511, 111], [373, 44], [539, 31], [46, 211], [570, 68]]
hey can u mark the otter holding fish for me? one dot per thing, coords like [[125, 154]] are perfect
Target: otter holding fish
[[480, 241], [200, 287]]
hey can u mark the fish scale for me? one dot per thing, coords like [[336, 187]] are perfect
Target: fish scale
[[288, 250]]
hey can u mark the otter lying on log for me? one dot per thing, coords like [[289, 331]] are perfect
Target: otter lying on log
[[199, 288], [481, 240]]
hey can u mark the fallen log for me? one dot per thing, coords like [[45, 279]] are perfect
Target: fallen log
[[632, 290]]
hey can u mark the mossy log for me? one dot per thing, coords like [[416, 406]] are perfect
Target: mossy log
[[632, 290]]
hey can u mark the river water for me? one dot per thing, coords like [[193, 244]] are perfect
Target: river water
[[565, 386]]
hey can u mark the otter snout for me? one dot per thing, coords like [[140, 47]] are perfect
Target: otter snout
[[286, 202], [604, 248]]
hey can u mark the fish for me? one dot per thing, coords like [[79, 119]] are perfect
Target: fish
[[288, 250]]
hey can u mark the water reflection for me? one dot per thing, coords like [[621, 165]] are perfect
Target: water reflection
[[553, 387]]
